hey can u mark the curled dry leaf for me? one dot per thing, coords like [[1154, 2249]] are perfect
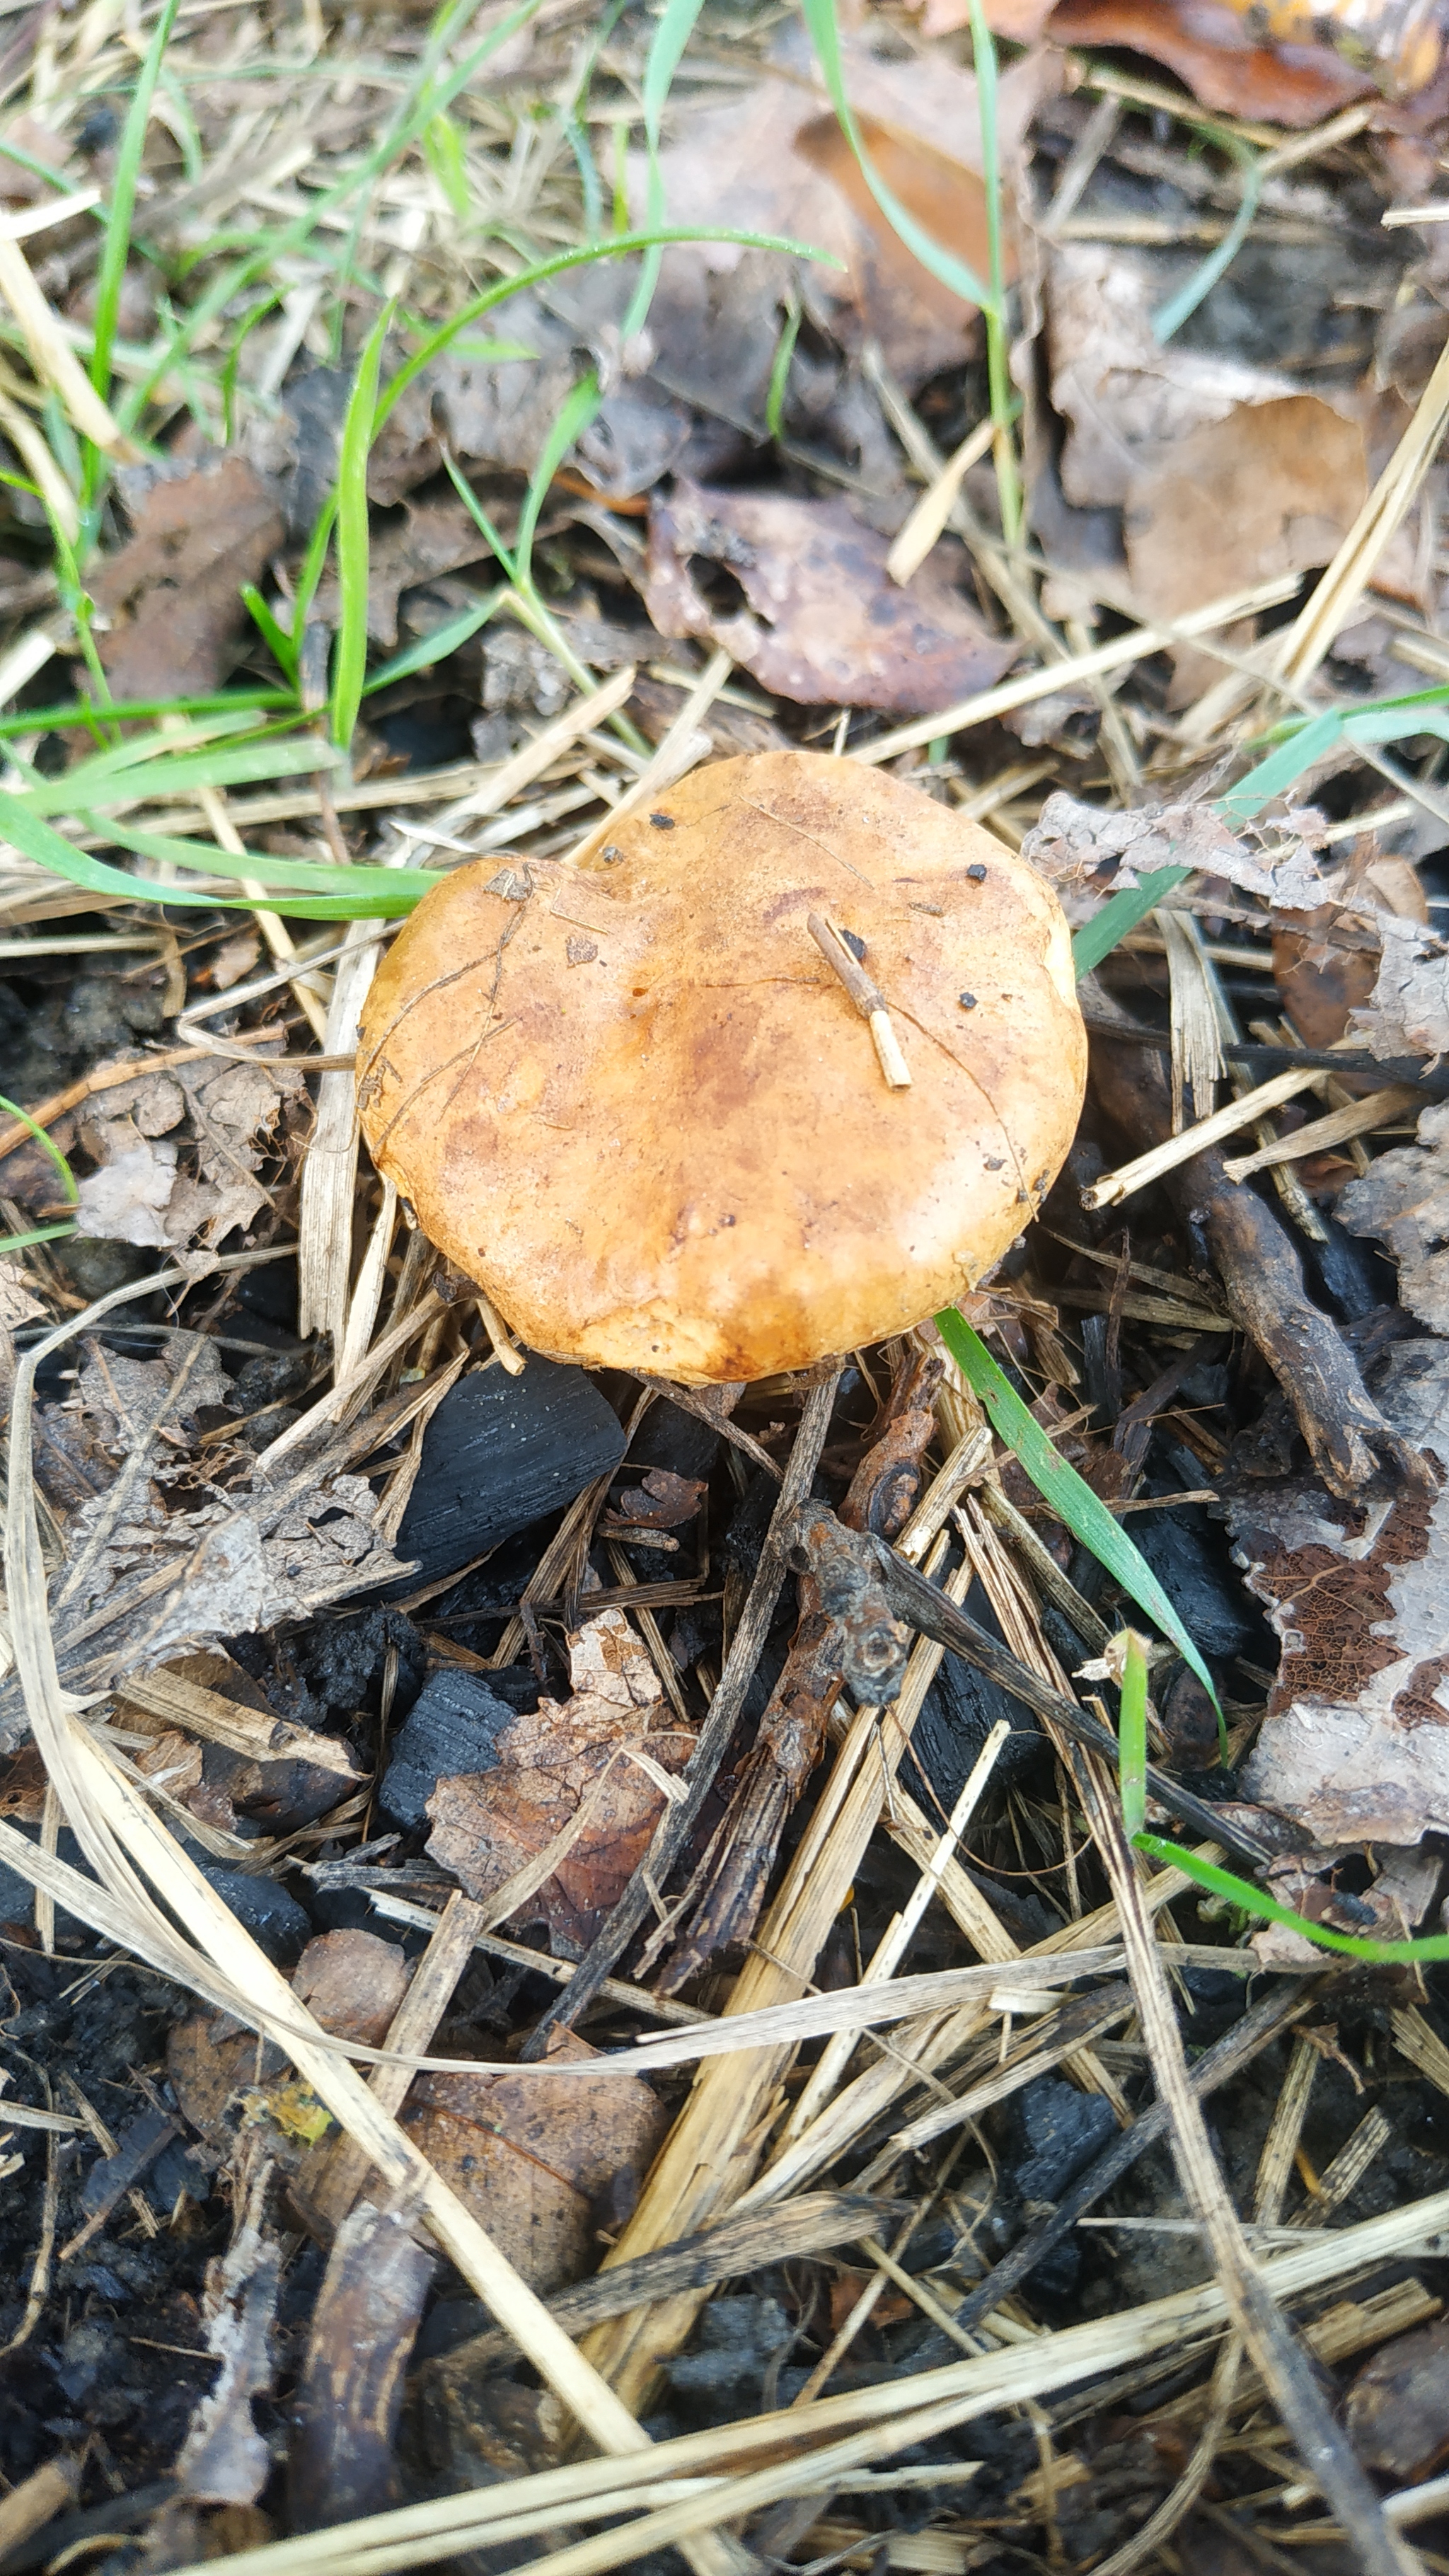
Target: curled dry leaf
[[1408, 1013], [811, 609], [1081, 849], [223, 1117], [1213, 51], [171, 594], [584, 1772], [543, 2165], [1355, 1744], [1403, 1199]]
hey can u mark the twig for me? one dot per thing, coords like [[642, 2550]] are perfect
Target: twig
[[1357, 1118], [867, 996], [1113, 1187]]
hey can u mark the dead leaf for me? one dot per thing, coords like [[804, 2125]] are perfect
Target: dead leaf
[[1214, 55], [1403, 1199], [141, 1194], [1130, 403], [662, 1501], [432, 537], [18, 1304], [821, 620], [1398, 2407], [352, 1982], [1084, 850], [170, 598], [543, 2166], [1355, 1744], [1408, 1013], [1270, 489], [224, 2459], [587, 1769]]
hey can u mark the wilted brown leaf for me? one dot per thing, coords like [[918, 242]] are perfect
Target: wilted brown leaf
[[1403, 1198], [171, 595], [1408, 1013], [586, 1772], [1075, 845], [821, 619], [1213, 53], [1355, 1744], [141, 1194], [544, 2166], [352, 1982]]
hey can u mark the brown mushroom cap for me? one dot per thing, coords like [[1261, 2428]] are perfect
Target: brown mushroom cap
[[633, 1102]]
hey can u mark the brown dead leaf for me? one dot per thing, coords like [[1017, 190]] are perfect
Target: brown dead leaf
[[662, 1500], [1398, 2406], [1270, 489], [768, 159], [1408, 1013], [1403, 1199], [352, 1982], [543, 2166], [587, 1770], [170, 598], [1081, 848], [1213, 54], [821, 620], [142, 1194], [1355, 1744]]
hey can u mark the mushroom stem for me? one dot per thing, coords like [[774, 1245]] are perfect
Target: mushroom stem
[[867, 996]]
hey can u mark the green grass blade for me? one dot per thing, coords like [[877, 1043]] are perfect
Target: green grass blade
[[1252, 1900], [1070, 1497], [79, 711], [281, 645], [116, 246], [432, 649], [349, 663], [1098, 937], [39, 842], [780, 365], [1132, 1732], [229, 765], [670, 37], [616, 247], [309, 572], [573, 419], [284, 876], [1171, 316], [37, 1234], [819, 16], [68, 1180], [1275, 775]]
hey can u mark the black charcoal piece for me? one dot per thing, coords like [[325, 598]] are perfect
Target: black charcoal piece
[[274, 1919], [454, 1727], [1059, 2130], [500, 1452]]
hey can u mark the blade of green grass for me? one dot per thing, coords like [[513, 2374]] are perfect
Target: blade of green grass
[[36, 1234], [77, 711], [229, 765], [819, 16], [68, 1180], [39, 841], [281, 645], [1171, 316], [573, 419], [1252, 1900], [671, 35], [431, 649], [349, 662], [1070, 1497], [780, 364], [116, 244], [1132, 1732], [289, 876]]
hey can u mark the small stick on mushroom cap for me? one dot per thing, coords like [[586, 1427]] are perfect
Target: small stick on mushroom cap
[[868, 998]]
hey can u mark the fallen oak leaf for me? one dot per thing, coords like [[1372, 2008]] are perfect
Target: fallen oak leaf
[[170, 598]]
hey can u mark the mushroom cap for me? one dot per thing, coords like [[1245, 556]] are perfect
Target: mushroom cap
[[634, 1103]]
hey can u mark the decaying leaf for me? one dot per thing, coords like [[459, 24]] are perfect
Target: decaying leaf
[[224, 2459], [544, 2166], [1355, 1744], [1403, 1199], [352, 1983], [1408, 1013], [1083, 848], [1271, 488], [1214, 52], [587, 1772], [820, 619], [1398, 2406], [223, 1117], [170, 598]]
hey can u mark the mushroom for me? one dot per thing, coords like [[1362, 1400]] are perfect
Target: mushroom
[[637, 1102]]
